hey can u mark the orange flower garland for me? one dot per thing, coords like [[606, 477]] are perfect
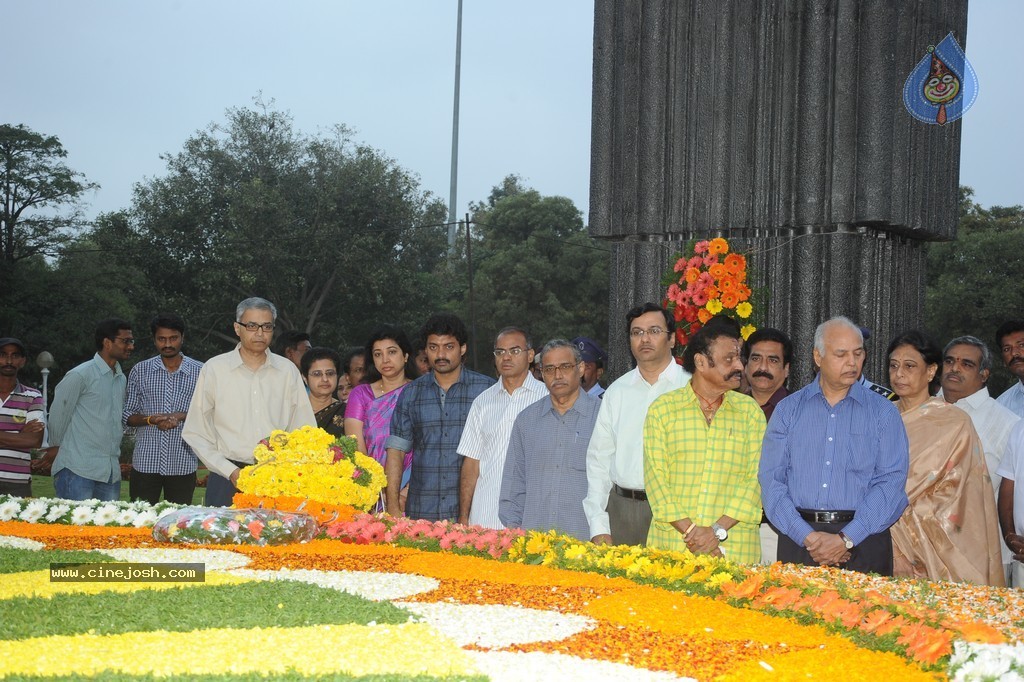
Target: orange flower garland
[[322, 511]]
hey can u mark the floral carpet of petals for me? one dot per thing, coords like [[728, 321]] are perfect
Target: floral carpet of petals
[[614, 620]]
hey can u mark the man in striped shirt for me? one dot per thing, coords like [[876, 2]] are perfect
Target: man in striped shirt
[[484, 440], [21, 421], [156, 404]]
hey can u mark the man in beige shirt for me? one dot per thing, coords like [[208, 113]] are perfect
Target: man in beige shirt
[[242, 396]]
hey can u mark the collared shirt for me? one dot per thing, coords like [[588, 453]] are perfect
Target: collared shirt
[[545, 477], [769, 407], [1013, 399], [485, 438], [85, 421], [1012, 468], [23, 405], [703, 471], [234, 407], [993, 422], [429, 420], [597, 390], [154, 390], [852, 456], [616, 452]]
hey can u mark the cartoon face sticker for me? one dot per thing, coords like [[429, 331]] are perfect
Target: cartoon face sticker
[[942, 85]]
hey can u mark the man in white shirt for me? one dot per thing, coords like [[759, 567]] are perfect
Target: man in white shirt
[[240, 397], [1011, 501], [1010, 341], [484, 441], [616, 504], [966, 365]]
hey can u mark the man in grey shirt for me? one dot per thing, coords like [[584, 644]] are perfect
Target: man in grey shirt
[[545, 476]]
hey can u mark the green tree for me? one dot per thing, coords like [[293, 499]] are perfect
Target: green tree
[[974, 282], [40, 194], [535, 266], [336, 234]]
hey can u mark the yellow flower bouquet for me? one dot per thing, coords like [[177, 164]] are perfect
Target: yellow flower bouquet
[[310, 470]]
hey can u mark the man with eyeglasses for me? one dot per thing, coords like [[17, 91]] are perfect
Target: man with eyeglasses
[[22, 422], [545, 476], [159, 391], [489, 425], [616, 504], [240, 397], [85, 419]]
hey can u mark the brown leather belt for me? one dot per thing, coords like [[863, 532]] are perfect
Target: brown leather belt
[[629, 494], [813, 516]]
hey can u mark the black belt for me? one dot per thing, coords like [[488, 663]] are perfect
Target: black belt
[[630, 494], [826, 516]]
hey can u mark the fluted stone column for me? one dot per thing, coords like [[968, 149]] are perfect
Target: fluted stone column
[[780, 126]]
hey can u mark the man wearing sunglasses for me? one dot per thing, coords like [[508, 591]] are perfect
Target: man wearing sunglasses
[[85, 419], [242, 396]]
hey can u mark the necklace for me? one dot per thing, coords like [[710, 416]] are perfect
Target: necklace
[[708, 407]]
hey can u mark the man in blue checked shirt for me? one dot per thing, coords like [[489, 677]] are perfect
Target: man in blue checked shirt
[[156, 403], [834, 461], [428, 419]]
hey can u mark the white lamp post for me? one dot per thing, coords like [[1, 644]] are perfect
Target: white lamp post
[[45, 361]]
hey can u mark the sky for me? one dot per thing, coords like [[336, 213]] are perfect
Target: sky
[[122, 82]]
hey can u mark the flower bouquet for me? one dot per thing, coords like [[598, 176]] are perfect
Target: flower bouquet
[[711, 281], [311, 471], [223, 526]]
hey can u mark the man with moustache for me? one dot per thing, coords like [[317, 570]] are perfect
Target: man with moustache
[[22, 422], [545, 476], [834, 463], [1010, 342], [484, 441], [156, 404], [616, 504], [240, 397], [428, 419], [702, 444], [85, 419], [966, 366], [767, 354]]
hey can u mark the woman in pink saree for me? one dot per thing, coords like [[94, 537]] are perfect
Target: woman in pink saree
[[370, 404], [950, 530]]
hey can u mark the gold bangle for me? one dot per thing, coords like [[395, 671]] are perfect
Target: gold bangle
[[148, 422]]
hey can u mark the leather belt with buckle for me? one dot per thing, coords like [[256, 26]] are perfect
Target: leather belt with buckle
[[813, 516], [629, 494]]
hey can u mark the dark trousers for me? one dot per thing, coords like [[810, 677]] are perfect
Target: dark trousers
[[874, 555], [17, 489], [220, 490], [177, 489]]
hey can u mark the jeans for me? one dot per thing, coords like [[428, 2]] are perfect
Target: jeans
[[71, 486]]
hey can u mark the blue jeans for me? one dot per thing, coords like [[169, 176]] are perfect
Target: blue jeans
[[71, 486]]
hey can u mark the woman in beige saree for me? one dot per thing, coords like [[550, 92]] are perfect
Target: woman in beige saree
[[950, 530]]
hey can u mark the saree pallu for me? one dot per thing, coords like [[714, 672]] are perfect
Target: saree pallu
[[950, 530]]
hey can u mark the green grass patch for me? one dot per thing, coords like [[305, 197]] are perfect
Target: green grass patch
[[42, 486], [183, 609], [287, 677], [17, 560]]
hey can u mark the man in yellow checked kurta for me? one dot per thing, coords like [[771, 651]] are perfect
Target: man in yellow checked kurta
[[702, 444]]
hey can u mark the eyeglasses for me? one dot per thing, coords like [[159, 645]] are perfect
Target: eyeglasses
[[550, 370], [514, 351], [320, 373], [254, 326], [127, 342], [638, 333]]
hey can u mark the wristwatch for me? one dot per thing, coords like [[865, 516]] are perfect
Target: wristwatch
[[846, 540], [720, 533]]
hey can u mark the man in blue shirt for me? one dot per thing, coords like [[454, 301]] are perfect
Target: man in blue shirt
[[85, 420], [428, 419], [834, 463]]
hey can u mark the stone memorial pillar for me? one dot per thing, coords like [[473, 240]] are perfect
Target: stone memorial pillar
[[779, 125]]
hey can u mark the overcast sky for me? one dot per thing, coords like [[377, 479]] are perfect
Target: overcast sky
[[121, 82]]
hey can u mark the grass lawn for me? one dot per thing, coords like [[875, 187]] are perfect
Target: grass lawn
[[42, 486]]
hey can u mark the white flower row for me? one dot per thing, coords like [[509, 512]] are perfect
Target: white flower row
[[984, 662], [82, 512]]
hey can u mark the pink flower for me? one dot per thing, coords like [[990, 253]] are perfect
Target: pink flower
[[700, 298], [701, 246], [356, 473], [233, 526], [680, 265], [695, 262]]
